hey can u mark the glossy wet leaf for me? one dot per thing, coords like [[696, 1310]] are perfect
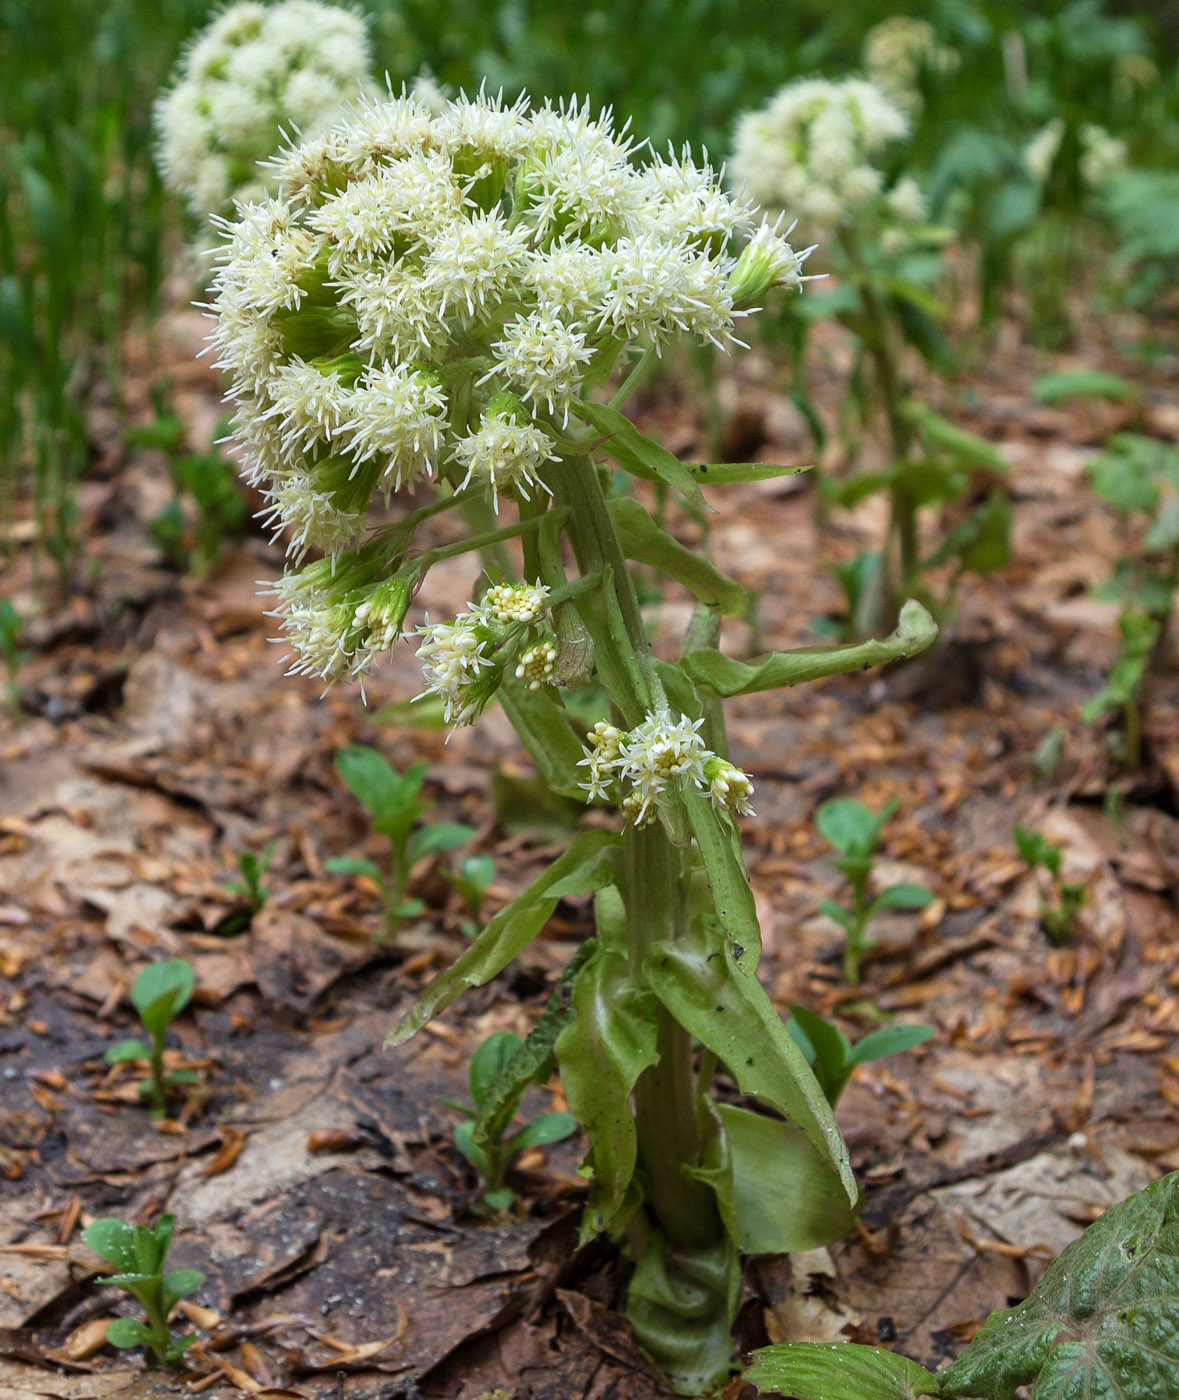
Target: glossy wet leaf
[[1102, 1323], [728, 1011], [126, 1332], [114, 1241], [837, 1371]]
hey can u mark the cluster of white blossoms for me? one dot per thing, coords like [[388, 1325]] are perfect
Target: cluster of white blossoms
[[465, 660], [1101, 157], [644, 761], [811, 151], [253, 72], [896, 53], [428, 295]]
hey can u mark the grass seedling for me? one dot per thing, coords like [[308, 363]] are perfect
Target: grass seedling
[[854, 830], [1058, 916], [139, 1254], [471, 879], [497, 1089], [253, 870], [161, 992], [394, 802], [834, 1058]]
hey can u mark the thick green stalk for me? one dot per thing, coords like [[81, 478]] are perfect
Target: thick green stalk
[[665, 1097]]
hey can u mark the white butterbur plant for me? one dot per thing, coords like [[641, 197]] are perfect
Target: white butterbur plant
[[253, 72], [448, 312]]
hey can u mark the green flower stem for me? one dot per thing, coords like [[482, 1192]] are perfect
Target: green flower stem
[[902, 525], [665, 1096]]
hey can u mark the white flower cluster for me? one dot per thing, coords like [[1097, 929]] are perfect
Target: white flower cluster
[[1102, 155], [465, 660], [255, 70], [427, 295], [811, 151], [896, 53], [645, 760]]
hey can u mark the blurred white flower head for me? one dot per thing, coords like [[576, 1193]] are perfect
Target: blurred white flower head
[[811, 152], [898, 50], [253, 73]]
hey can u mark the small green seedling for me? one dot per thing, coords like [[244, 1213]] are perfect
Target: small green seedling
[[854, 830], [253, 869], [161, 992], [834, 1058], [139, 1254], [395, 803], [497, 1087], [10, 650], [1059, 917], [471, 879]]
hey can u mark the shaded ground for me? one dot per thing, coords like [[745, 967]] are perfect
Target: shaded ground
[[314, 1175]]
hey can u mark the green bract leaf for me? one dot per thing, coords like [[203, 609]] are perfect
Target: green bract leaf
[[727, 1010], [114, 1241], [968, 449], [371, 779], [719, 843], [728, 473], [543, 729], [839, 1371], [645, 543], [1103, 1322], [601, 1053], [586, 866], [786, 1196], [161, 991], [126, 1332], [636, 453], [915, 632], [1083, 384]]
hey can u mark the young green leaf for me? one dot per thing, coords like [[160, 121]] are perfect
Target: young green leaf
[[488, 1061], [112, 1240], [852, 828], [126, 1051], [836, 912], [900, 897], [355, 865], [548, 1128], [888, 1040], [371, 779], [161, 991], [126, 1332], [1103, 1320], [1083, 384], [441, 836]]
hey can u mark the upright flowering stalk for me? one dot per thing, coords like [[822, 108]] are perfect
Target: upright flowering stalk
[[821, 149], [431, 300]]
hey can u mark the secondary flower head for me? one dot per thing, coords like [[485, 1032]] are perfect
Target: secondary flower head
[[254, 71], [429, 293], [644, 762], [898, 50], [811, 152]]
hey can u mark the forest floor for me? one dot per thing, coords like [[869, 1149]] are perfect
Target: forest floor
[[314, 1174]]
